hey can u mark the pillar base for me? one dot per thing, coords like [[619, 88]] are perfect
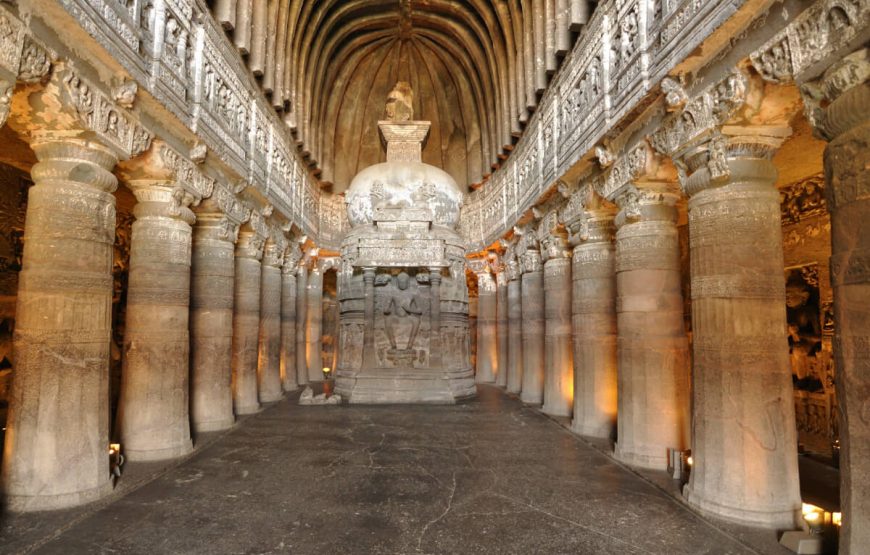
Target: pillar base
[[556, 411], [158, 454], [250, 409], [33, 503], [778, 519], [536, 400], [598, 432], [637, 460], [214, 426], [272, 398]]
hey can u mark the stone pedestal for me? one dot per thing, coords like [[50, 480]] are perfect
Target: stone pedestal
[[847, 172], [487, 347], [515, 335], [744, 440], [501, 328], [558, 353], [211, 322], [314, 324], [594, 324], [269, 357], [57, 431], [652, 348], [301, 317], [533, 329], [246, 322], [153, 409], [289, 376]]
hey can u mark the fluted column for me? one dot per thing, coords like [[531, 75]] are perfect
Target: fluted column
[[594, 324], [845, 123], [314, 323], [651, 338], [501, 327], [269, 354], [57, 429], [434, 317], [558, 352], [246, 320], [533, 328], [289, 374], [211, 313], [369, 358], [301, 315], [744, 440], [487, 349], [515, 328], [153, 413]]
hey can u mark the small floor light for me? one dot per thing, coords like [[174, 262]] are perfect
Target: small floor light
[[116, 459]]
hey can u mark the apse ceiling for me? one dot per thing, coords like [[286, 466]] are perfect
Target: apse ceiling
[[477, 68]]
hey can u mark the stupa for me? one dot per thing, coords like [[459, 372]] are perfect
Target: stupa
[[403, 299]]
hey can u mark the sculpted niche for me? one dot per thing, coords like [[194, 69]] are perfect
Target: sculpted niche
[[403, 299]]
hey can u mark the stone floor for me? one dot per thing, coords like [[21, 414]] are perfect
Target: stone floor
[[490, 476]]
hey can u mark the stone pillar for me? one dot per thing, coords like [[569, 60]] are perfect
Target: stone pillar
[[533, 328], [845, 123], [434, 317], [369, 360], [558, 353], [515, 328], [594, 325], [652, 347], [57, 430], [211, 313], [314, 323], [501, 327], [269, 354], [301, 314], [246, 320], [153, 409], [289, 374], [744, 440], [487, 353]]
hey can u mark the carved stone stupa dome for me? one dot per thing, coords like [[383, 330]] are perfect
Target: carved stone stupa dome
[[401, 184]]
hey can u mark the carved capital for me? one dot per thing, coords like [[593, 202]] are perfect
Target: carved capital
[[649, 204], [6, 89], [162, 198], [840, 99], [292, 256], [639, 163], [553, 237], [587, 217]]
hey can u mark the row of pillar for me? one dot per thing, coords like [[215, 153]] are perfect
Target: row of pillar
[[210, 331], [597, 333]]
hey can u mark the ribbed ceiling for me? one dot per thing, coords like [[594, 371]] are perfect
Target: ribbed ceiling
[[476, 67]]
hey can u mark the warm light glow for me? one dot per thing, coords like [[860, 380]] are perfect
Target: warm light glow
[[690, 460], [327, 370], [837, 519], [807, 508], [114, 448], [813, 516]]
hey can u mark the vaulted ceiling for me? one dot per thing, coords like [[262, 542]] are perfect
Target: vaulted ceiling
[[477, 68]]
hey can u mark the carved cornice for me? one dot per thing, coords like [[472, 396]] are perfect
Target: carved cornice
[[810, 43]]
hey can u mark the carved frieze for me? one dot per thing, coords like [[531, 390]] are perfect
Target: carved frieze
[[804, 199], [97, 113]]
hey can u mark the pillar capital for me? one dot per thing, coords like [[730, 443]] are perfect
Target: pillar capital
[[553, 237], [587, 217], [655, 203], [224, 212], [292, 256], [843, 91], [252, 237]]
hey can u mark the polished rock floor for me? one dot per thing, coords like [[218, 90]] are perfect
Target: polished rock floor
[[490, 476]]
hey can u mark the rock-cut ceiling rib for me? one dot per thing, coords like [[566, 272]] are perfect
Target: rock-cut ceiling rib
[[477, 68]]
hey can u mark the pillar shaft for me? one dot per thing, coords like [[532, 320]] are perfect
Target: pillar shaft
[[153, 413], [246, 322], [369, 360], [269, 354], [533, 329], [211, 325], [314, 320], [57, 436], [594, 325], [301, 324], [558, 352], [515, 336], [502, 329], [289, 376], [435, 317], [652, 347], [847, 173], [744, 440], [487, 349]]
